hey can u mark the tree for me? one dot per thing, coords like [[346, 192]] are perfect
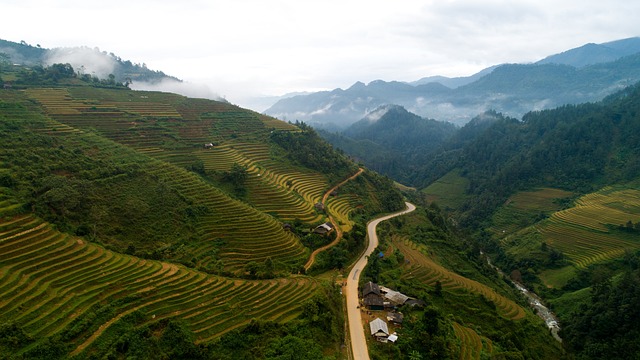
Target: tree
[[438, 288]]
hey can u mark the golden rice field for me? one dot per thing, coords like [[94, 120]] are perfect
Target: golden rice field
[[587, 233], [150, 123], [424, 269], [540, 200], [50, 281], [471, 344]]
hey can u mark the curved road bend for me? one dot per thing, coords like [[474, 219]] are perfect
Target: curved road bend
[[312, 258], [356, 330]]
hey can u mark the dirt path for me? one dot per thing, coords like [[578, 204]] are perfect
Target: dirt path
[[356, 327], [312, 258]]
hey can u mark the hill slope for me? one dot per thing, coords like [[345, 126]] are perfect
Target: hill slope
[[123, 211], [87, 61], [553, 199], [392, 141], [590, 54]]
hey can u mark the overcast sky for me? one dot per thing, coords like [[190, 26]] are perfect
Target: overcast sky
[[246, 48]]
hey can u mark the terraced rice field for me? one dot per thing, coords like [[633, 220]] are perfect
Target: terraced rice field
[[248, 235], [540, 200], [340, 207], [154, 124], [49, 281], [426, 270], [587, 234], [525, 207], [471, 344]]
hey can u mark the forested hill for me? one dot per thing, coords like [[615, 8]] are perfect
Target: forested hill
[[90, 61], [574, 147], [393, 141]]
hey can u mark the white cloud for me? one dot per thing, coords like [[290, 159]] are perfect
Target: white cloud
[[377, 114], [250, 48], [194, 90], [83, 59]]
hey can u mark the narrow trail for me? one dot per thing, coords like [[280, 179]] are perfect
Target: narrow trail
[[312, 258]]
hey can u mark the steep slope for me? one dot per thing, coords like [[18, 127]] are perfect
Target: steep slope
[[471, 311], [123, 211], [554, 200]]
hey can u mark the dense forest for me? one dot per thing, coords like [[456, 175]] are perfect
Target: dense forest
[[392, 141], [606, 326], [575, 147]]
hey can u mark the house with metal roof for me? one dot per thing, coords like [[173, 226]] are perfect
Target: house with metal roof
[[379, 329]]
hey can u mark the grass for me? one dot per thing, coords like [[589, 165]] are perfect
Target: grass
[[544, 199], [471, 344], [134, 154], [557, 278], [448, 191], [525, 208], [570, 302]]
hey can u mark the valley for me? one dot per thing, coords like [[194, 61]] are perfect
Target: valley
[[146, 224]]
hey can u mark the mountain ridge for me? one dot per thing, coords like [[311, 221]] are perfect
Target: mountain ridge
[[492, 91]]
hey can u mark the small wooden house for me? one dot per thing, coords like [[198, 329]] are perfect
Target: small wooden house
[[371, 296], [394, 298], [379, 329], [395, 318], [323, 229]]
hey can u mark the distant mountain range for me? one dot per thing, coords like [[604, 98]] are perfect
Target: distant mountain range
[[579, 75]]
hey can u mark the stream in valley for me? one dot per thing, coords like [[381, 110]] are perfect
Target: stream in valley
[[535, 302]]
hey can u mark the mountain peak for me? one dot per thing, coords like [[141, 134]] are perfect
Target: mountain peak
[[591, 53], [357, 85]]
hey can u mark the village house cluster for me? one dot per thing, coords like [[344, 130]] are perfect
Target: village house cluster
[[379, 298]]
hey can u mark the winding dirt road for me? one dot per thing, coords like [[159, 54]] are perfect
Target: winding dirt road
[[312, 258], [356, 328]]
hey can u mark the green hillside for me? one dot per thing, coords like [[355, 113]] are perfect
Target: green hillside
[[127, 214], [393, 141], [471, 312], [554, 200]]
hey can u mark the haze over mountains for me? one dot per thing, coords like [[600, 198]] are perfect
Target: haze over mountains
[[144, 224], [584, 74], [100, 64]]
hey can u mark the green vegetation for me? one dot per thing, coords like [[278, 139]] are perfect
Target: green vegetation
[[395, 144], [61, 288], [307, 148], [124, 71], [553, 200], [145, 224], [448, 191], [474, 312], [606, 325]]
